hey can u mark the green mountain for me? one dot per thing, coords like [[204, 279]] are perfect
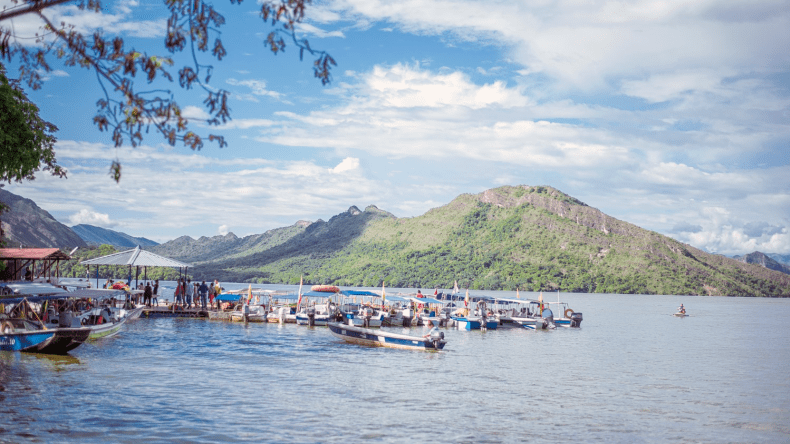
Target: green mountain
[[532, 238]]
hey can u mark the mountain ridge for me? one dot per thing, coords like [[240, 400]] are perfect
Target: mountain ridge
[[505, 238], [93, 235], [25, 224]]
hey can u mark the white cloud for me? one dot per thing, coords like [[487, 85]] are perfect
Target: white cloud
[[222, 230], [348, 164], [585, 45], [258, 87], [306, 28], [89, 217]]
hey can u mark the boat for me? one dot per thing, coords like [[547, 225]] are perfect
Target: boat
[[384, 338], [480, 319], [283, 314], [102, 321], [362, 308], [71, 315], [566, 317], [681, 314], [249, 313], [21, 333], [316, 314], [316, 308]]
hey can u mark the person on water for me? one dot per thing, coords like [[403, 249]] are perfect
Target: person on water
[[682, 309], [435, 328]]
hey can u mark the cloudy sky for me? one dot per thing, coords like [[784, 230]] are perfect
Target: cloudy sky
[[672, 115]]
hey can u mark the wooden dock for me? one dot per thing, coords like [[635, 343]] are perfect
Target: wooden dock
[[170, 312]]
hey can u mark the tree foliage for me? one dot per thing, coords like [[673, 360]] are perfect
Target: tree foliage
[[26, 140], [128, 110]]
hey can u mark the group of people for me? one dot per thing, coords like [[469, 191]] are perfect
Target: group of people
[[150, 291], [187, 291]]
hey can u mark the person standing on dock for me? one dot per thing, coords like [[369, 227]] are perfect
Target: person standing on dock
[[203, 290], [155, 293], [179, 292], [147, 294], [217, 292], [189, 289]]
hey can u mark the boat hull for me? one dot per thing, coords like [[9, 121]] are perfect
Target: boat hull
[[26, 341], [474, 323], [382, 338], [319, 320]]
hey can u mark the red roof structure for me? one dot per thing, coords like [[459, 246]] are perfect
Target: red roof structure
[[38, 254], [19, 259]]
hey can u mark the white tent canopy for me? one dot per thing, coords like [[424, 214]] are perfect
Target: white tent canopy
[[136, 258]]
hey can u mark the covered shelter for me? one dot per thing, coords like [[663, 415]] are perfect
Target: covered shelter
[[32, 263], [136, 258]]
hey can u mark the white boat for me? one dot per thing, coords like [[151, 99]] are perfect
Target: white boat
[[249, 313], [564, 316], [316, 314], [283, 314], [384, 338]]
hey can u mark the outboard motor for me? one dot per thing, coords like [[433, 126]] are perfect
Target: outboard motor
[[64, 319], [246, 311], [367, 313], [576, 319], [407, 318], [436, 338], [548, 319], [311, 316]]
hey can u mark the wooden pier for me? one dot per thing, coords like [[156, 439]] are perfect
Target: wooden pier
[[171, 312]]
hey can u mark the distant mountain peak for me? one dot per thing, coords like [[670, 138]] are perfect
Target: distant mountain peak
[[354, 211], [25, 223], [762, 259], [93, 235]]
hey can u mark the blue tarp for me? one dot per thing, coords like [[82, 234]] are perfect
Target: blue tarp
[[358, 293]]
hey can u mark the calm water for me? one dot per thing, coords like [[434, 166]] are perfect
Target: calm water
[[632, 373]]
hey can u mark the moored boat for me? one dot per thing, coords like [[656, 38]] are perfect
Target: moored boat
[[249, 313], [384, 338]]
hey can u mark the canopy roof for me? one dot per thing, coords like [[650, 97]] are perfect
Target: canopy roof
[[38, 254], [137, 258], [78, 294]]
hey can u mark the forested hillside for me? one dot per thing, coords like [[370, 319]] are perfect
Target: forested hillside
[[533, 238]]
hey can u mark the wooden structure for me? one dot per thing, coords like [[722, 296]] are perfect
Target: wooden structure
[[41, 262]]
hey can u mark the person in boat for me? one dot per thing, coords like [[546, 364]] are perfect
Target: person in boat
[[682, 309], [435, 328]]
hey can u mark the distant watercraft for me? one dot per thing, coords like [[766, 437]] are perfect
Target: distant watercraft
[[383, 338]]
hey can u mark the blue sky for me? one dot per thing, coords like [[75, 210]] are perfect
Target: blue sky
[[671, 115]]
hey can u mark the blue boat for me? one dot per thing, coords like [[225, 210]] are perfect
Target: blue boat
[[475, 322], [28, 338], [384, 338]]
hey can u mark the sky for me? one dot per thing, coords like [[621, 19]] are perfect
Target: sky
[[671, 115]]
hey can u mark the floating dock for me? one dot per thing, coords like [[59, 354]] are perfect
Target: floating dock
[[171, 312]]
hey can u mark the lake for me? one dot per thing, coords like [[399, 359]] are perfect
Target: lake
[[632, 373]]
